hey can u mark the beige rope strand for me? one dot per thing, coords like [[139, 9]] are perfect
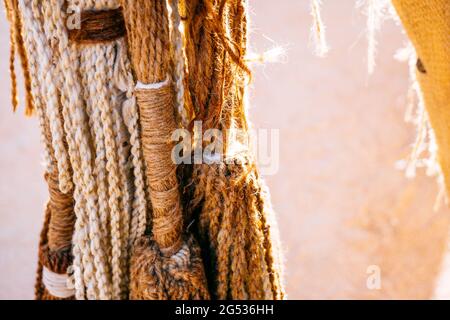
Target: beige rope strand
[[112, 170], [49, 91], [99, 91], [79, 151], [32, 14], [30, 44], [123, 152], [179, 61], [88, 58], [123, 80]]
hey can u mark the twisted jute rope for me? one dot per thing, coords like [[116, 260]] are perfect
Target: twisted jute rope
[[235, 220], [157, 122], [98, 46], [55, 247], [169, 267]]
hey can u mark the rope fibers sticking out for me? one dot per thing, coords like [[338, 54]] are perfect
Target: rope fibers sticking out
[[318, 32], [233, 211]]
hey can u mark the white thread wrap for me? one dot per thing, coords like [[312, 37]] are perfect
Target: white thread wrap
[[157, 85], [58, 285]]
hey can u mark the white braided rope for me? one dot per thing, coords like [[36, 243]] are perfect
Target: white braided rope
[[123, 80], [123, 153], [99, 230], [31, 46], [32, 16]]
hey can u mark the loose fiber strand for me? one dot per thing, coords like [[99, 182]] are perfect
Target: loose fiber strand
[[318, 32]]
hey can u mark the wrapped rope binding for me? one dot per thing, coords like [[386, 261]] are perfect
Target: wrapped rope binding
[[167, 264]]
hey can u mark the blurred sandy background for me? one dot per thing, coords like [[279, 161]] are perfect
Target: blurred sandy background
[[341, 204]]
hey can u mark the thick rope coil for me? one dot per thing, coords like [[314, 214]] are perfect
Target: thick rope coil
[[157, 123]]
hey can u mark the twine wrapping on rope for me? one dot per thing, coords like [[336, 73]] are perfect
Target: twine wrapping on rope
[[157, 122], [170, 265]]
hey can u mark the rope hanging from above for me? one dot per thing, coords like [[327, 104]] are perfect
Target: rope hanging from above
[[168, 264], [227, 198], [114, 188], [82, 88]]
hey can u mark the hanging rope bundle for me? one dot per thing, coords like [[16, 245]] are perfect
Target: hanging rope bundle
[[235, 220], [89, 124], [112, 182], [169, 266]]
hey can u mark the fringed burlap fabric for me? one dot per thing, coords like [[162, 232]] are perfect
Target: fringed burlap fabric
[[427, 23]]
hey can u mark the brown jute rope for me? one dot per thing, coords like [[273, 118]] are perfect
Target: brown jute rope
[[229, 196], [157, 121], [17, 44], [149, 45], [98, 26], [62, 219], [170, 267]]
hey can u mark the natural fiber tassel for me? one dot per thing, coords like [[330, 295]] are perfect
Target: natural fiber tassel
[[168, 265], [234, 223]]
